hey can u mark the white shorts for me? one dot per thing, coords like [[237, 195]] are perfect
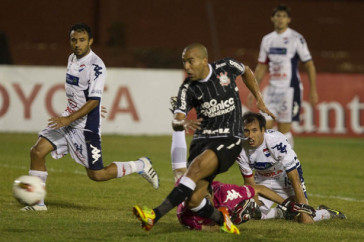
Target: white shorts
[[282, 187], [284, 103], [84, 146]]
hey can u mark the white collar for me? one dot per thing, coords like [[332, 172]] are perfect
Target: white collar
[[208, 76]]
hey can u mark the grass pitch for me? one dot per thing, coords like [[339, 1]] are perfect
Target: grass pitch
[[83, 210]]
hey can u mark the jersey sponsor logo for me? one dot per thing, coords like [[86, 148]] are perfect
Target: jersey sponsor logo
[[224, 79], [98, 92], [266, 152], [183, 97], [270, 173], [238, 66], [213, 108], [277, 51], [262, 165], [97, 70], [72, 80], [220, 65], [95, 154], [216, 131], [231, 195], [280, 147]]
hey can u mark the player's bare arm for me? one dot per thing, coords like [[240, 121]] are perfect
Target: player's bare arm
[[252, 84], [259, 74], [179, 123], [58, 122], [311, 72]]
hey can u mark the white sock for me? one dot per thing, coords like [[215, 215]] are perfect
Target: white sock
[[188, 182], [43, 176], [126, 168], [178, 150], [321, 214], [289, 137], [271, 214]]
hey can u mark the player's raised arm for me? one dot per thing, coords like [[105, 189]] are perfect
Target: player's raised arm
[[252, 84]]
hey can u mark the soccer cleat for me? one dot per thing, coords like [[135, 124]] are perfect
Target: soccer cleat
[[34, 208], [228, 226], [333, 213], [146, 217], [173, 102], [149, 173]]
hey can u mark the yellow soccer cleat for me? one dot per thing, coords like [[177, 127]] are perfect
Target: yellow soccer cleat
[[228, 226], [146, 217]]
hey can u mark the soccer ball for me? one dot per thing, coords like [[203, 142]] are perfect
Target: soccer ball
[[29, 190]]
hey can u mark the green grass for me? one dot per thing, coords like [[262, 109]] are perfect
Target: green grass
[[83, 210]]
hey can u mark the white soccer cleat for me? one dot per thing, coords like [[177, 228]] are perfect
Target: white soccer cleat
[[34, 208], [149, 173]]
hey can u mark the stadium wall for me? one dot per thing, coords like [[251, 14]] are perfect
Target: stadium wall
[[138, 101]]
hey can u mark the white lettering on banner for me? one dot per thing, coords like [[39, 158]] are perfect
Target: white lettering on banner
[[355, 106], [232, 194], [213, 109], [324, 109]]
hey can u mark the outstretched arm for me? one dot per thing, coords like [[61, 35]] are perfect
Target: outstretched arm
[[252, 84], [58, 122]]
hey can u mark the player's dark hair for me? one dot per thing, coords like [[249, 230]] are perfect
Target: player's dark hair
[[250, 117], [79, 27], [282, 8]]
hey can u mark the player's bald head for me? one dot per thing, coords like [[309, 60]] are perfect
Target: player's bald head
[[199, 49]]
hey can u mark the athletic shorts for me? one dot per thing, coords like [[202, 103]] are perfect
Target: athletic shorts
[[284, 103], [281, 186], [84, 146], [226, 149]]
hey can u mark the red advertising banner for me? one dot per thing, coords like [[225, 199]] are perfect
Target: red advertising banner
[[340, 111]]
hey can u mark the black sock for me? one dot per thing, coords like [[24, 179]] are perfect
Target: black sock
[[209, 211], [177, 195]]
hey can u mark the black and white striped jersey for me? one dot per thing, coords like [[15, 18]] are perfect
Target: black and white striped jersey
[[216, 100]]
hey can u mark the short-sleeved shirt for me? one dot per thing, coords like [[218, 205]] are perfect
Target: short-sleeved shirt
[[216, 100], [85, 80], [225, 195], [273, 159], [282, 52]]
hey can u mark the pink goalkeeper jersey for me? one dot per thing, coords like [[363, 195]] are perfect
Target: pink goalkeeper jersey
[[225, 195]]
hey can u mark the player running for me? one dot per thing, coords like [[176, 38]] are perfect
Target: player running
[[276, 166], [212, 91], [77, 130]]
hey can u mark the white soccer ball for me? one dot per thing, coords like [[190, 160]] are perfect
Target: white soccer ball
[[29, 190]]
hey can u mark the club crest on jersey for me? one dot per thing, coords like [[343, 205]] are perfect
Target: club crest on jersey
[[266, 152], [224, 79], [82, 67]]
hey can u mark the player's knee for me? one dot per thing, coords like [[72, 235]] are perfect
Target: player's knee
[[96, 175], [36, 152]]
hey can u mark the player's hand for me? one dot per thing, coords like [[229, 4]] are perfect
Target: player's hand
[[250, 101], [103, 111], [192, 124], [313, 97], [261, 106], [58, 122], [293, 209]]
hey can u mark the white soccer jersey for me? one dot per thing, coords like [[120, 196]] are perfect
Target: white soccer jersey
[[271, 160], [85, 80], [282, 53]]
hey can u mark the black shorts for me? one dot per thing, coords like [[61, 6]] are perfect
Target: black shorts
[[226, 149]]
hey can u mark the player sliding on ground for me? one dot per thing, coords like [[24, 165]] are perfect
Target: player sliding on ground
[[77, 130]]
